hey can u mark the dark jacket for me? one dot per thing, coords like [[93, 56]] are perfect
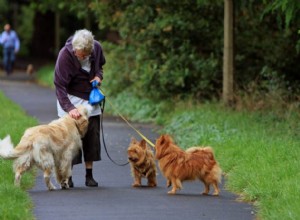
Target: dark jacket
[[71, 79]]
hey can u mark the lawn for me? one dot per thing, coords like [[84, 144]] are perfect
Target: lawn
[[15, 203]]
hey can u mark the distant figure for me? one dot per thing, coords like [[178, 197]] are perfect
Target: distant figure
[[11, 45]]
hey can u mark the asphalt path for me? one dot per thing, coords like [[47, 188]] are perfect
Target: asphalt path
[[115, 199]]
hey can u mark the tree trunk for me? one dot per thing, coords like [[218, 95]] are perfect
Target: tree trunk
[[87, 21], [228, 59], [57, 34]]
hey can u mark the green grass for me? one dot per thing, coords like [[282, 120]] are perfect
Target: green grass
[[15, 203], [45, 75]]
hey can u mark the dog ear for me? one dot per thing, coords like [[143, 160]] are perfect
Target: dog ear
[[133, 140], [162, 140], [82, 125], [143, 144]]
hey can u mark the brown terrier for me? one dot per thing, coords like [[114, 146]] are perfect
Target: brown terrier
[[142, 163]]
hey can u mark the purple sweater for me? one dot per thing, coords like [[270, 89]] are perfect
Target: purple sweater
[[71, 79]]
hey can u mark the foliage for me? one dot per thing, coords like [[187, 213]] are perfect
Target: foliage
[[167, 39], [262, 45], [25, 28], [3, 10], [45, 75], [118, 67], [290, 9], [78, 7], [175, 47], [287, 10]]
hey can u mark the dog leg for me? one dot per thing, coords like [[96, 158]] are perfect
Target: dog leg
[[137, 178], [65, 180], [17, 178], [206, 189], [168, 183], [152, 180], [47, 175], [65, 184], [21, 165], [65, 171], [18, 175], [176, 183], [216, 189], [137, 181]]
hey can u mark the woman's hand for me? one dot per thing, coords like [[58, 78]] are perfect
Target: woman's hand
[[97, 79], [74, 113]]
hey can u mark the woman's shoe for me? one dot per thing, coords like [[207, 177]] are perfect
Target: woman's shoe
[[70, 182], [89, 181]]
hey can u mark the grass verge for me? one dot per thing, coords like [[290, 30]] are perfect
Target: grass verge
[[15, 203]]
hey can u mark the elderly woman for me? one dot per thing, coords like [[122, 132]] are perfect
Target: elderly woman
[[79, 63]]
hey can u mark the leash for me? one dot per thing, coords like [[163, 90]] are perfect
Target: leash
[[101, 127], [137, 131]]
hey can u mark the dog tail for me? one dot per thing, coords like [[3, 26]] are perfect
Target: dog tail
[[218, 172], [216, 169], [209, 152], [7, 150]]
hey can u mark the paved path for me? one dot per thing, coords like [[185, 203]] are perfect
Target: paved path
[[115, 199]]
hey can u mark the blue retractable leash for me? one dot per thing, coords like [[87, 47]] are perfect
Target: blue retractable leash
[[97, 98]]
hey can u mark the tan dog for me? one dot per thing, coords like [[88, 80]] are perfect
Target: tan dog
[[178, 165], [142, 163], [49, 147], [30, 69]]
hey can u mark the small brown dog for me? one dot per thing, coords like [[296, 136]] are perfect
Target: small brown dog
[[178, 165], [142, 163]]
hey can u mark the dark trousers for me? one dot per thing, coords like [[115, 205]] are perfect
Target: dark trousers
[[8, 59], [90, 143]]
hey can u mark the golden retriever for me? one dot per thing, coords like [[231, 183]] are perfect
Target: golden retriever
[[49, 147], [178, 165]]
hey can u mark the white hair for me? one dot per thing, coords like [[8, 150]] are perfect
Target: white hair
[[83, 40]]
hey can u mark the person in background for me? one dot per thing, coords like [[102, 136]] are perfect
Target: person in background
[[79, 63], [11, 45]]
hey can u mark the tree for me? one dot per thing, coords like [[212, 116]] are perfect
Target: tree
[[228, 59]]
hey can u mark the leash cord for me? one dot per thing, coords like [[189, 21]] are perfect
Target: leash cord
[[104, 145], [137, 131]]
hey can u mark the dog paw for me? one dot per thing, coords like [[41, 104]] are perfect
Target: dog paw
[[152, 184], [172, 192], [64, 186], [136, 185], [51, 188]]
